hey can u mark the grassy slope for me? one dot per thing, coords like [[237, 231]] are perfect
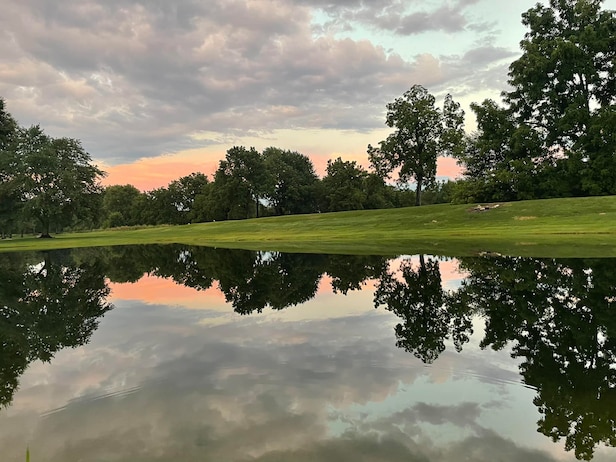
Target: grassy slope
[[553, 227]]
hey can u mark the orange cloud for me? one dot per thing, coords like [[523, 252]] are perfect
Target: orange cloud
[[447, 166], [156, 172], [150, 173]]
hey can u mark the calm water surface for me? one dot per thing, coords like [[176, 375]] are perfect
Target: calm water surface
[[195, 354]]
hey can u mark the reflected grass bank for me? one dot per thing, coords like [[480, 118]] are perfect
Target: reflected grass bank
[[573, 227]]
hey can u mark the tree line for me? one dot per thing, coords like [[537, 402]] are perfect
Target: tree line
[[552, 135], [50, 185]]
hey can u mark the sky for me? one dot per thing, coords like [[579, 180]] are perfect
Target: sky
[[158, 89]]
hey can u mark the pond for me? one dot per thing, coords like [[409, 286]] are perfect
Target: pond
[[165, 353]]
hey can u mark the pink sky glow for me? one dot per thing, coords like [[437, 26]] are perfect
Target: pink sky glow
[[150, 173]]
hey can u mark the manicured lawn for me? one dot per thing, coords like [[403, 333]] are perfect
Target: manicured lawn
[[553, 227]]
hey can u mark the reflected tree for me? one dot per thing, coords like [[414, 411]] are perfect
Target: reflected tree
[[45, 305], [351, 272], [560, 317], [418, 298], [270, 279]]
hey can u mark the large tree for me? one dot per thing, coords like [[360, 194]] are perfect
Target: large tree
[[53, 177], [9, 197], [564, 87], [422, 132], [120, 204]]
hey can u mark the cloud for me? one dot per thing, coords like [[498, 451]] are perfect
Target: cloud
[[136, 79]]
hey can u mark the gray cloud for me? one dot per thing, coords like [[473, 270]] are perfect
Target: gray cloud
[[137, 78]]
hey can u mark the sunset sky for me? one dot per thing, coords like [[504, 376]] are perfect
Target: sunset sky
[[158, 89]]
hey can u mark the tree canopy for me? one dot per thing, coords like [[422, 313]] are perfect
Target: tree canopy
[[422, 132], [554, 135]]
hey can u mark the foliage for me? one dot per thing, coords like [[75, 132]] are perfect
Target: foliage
[[120, 205], [422, 133], [554, 137], [48, 180], [294, 182]]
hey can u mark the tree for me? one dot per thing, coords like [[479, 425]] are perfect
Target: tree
[[120, 205], [247, 168], [10, 203], [422, 133], [183, 192], [343, 186], [501, 158], [53, 176], [294, 182], [562, 107]]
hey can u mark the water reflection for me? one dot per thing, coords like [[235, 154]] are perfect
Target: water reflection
[[46, 304], [556, 317], [561, 317]]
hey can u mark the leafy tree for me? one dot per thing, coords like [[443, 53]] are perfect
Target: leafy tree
[[183, 192], [565, 76], [10, 201], [226, 198], [343, 186], [502, 159], [161, 207], [246, 168], [422, 132], [53, 176], [120, 205], [294, 180]]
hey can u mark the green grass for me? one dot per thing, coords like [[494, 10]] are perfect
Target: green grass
[[578, 227]]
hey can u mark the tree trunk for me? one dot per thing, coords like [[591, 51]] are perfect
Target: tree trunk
[[257, 207], [418, 191], [45, 224]]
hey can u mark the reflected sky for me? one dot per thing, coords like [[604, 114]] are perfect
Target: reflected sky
[[184, 377]]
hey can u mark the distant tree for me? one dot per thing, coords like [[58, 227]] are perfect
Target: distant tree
[[294, 182], [246, 167], [120, 205], [422, 133], [343, 186], [183, 192], [225, 198], [161, 207]]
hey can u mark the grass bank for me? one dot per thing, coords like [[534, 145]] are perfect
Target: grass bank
[[577, 227]]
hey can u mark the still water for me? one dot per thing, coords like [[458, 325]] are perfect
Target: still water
[[169, 353]]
